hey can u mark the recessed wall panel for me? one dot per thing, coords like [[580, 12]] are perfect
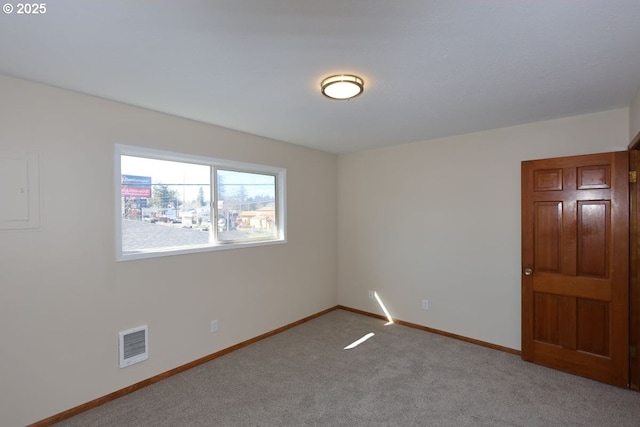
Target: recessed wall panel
[[593, 326], [594, 177], [546, 318], [547, 235], [19, 191], [547, 180], [593, 238]]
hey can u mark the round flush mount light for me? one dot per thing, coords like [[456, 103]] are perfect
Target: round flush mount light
[[342, 86]]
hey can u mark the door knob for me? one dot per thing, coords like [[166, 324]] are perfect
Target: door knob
[[528, 271]]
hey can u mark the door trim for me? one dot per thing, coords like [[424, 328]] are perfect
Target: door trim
[[634, 265]]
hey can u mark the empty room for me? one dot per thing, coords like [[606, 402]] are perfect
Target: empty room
[[288, 213]]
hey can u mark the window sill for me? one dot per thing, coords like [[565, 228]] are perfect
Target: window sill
[[164, 252]]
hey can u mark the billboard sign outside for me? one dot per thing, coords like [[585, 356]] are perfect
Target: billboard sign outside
[[135, 186]]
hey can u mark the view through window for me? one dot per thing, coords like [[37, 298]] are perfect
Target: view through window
[[177, 203], [246, 205]]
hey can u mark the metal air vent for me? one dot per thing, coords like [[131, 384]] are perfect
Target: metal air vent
[[134, 346]]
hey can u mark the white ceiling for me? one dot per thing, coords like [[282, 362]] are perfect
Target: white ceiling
[[431, 68]]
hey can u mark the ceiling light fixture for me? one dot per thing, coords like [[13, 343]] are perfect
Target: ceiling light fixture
[[342, 86]]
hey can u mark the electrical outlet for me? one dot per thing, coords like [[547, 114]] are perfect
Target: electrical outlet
[[370, 294], [214, 326], [425, 304]]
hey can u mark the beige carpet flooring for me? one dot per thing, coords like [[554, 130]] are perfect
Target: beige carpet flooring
[[398, 377]]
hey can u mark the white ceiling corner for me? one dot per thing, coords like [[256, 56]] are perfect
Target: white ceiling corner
[[431, 68]]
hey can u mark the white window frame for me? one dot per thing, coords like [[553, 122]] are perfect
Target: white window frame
[[135, 151]]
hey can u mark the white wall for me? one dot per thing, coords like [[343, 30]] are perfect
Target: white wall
[[63, 298], [634, 116], [440, 220]]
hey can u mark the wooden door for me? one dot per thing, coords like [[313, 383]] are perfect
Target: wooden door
[[575, 265]]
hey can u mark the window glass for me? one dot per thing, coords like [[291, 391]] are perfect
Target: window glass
[[246, 205], [168, 203], [165, 204]]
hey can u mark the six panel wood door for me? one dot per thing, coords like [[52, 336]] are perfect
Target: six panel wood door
[[575, 260]]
